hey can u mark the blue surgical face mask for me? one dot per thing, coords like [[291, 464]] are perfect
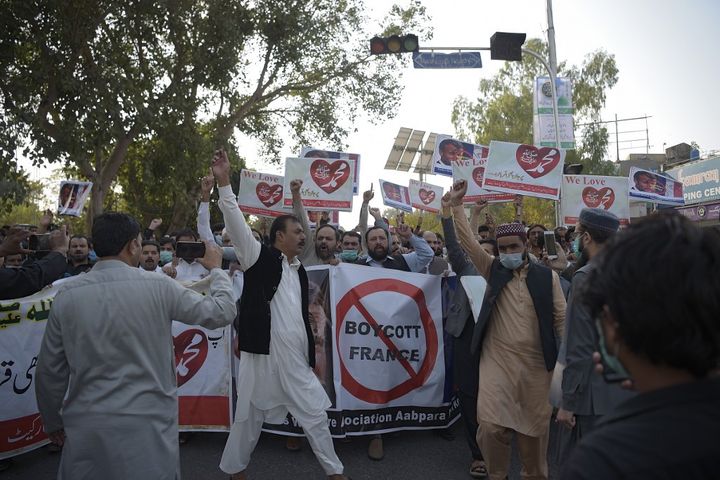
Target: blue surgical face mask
[[165, 257], [349, 255], [92, 256], [512, 260], [611, 361], [577, 245]]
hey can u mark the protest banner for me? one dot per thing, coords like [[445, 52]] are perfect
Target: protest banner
[[383, 352], [72, 197], [309, 152], [202, 360], [594, 191], [424, 196], [326, 185], [654, 187], [396, 196], [524, 169], [472, 170], [261, 194], [449, 150]]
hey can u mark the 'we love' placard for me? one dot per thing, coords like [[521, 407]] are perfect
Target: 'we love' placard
[[327, 183], [524, 169], [425, 196], [594, 191], [261, 194]]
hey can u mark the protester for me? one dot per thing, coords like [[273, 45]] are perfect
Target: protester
[[536, 240], [490, 246], [186, 269], [32, 277], [13, 261], [438, 265], [278, 353], [585, 396], [655, 293], [351, 246], [150, 256], [149, 232], [321, 251], [167, 250], [116, 414], [520, 318], [78, 255], [460, 323]]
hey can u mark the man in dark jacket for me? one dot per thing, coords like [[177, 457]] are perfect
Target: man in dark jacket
[[275, 375]]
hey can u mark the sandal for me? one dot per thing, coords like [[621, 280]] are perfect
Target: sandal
[[478, 469]]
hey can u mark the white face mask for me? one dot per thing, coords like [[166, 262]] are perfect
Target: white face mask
[[511, 260]]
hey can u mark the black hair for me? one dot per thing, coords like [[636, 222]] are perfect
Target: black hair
[[449, 141], [598, 235], [483, 228], [351, 233], [658, 279], [262, 237], [83, 237], [280, 224], [440, 237], [638, 174], [493, 243], [112, 231], [536, 225], [218, 227], [165, 240], [367, 233], [151, 242], [186, 232], [327, 225]]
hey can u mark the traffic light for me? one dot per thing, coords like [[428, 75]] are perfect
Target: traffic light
[[394, 44], [507, 46]]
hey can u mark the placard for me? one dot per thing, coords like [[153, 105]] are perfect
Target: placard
[[449, 150], [72, 197], [472, 170], [309, 152], [261, 194], [396, 196], [425, 196], [327, 184], [594, 191], [654, 187]]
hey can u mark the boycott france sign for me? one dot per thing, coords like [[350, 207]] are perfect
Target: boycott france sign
[[524, 170], [594, 191]]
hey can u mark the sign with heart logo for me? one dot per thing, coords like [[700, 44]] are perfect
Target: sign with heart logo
[[425, 196], [326, 184], [261, 194], [310, 152], [524, 169], [473, 172], [594, 191], [191, 349], [594, 198]]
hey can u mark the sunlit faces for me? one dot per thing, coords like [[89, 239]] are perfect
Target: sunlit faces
[[377, 241], [325, 242], [291, 240], [351, 242], [396, 244], [149, 257], [79, 249]]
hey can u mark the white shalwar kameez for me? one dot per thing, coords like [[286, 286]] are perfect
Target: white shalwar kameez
[[270, 386]]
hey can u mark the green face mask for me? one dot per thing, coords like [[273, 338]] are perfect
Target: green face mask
[[349, 255], [610, 362], [165, 257]]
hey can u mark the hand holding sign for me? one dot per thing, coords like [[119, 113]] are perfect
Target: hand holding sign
[[221, 167], [458, 192]]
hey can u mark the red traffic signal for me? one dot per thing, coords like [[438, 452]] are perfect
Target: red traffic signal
[[394, 44]]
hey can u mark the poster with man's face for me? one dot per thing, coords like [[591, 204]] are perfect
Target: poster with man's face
[[449, 150], [396, 196], [72, 197], [653, 187]]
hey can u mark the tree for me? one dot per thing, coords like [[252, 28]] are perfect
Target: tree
[[504, 111], [84, 80]]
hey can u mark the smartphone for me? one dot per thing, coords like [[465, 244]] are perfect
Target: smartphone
[[550, 245], [189, 249], [39, 243]]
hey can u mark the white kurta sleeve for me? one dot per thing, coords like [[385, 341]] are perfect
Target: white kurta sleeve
[[53, 372], [214, 310], [246, 247], [203, 222]]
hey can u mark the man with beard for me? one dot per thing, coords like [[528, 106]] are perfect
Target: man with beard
[[275, 375], [327, 237], [376, 239], [78, 255], [150, 256], [438, 265]]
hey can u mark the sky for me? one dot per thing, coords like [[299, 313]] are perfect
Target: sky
[[664, 50]]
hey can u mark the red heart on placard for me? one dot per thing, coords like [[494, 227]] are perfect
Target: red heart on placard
[[477, 174], [191, 349], [602, 198], [427, 196], [329, 176], [267, 194], [537, 162]]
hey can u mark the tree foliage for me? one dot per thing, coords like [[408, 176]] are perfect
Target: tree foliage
[[503, 111], [89, 83]]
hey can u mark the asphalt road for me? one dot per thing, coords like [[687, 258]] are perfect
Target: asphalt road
[[408, 455]]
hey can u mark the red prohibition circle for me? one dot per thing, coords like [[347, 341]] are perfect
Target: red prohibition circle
[[352, 299]]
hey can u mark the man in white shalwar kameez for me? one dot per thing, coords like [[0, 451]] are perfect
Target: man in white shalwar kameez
[[280, 379], [108, 344]]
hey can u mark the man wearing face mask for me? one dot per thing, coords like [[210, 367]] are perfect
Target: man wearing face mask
[[522, 315], [351, 246]]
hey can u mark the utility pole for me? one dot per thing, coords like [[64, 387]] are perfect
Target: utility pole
[[551, 40]]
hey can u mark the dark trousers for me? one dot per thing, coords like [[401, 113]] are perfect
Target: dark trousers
[[465, 371]]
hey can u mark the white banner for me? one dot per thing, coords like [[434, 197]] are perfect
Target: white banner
[[594, 191], [654, 187], [396, 196], [425, 196], [543, 120], [309, 152], [472, 170], [449, 150], [72, 197], [388, 332], [327, 184], [524, 170], [261, 194]]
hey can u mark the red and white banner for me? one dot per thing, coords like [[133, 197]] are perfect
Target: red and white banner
[[425, 196], [396, 196], [472, 170], [261, 194], [594, 191], [327, 183], [309, 152], [524, 170]]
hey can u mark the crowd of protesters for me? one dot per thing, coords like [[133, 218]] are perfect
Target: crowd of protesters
[[641, 305]]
